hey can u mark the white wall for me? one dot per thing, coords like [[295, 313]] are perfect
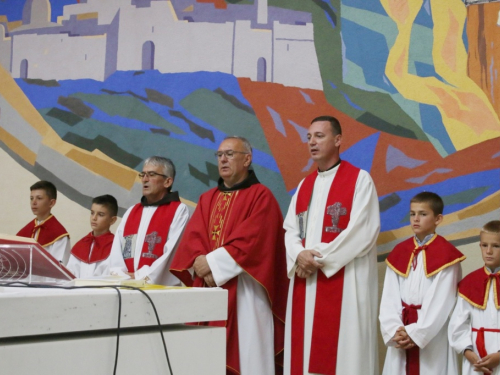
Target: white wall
[[179, 46], [106, 9], [295, 61], [250, 45], [59, 56]]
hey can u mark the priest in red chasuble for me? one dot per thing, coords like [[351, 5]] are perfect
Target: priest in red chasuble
[[331, 232], [235, 241]]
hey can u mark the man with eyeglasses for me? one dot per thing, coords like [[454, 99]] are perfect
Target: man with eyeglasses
[[235, 241], [148, 235]]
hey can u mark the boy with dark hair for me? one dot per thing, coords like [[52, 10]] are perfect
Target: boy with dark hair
[[46, 229], [477, 313], [419, 293], [90, 256]]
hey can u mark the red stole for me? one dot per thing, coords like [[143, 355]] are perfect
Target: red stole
[[326, 324], [248, 224], [100, 251], [437, 254], [156, 234], [49, 231]]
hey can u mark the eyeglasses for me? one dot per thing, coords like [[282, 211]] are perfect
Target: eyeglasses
[[150, 174], [228, 153]]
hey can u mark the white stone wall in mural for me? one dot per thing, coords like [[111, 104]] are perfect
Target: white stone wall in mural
[[95, 38]]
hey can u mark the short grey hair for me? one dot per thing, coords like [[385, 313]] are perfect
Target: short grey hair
[[166, 164], [246, 144]]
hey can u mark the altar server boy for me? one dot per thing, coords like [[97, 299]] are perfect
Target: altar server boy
[[474, 328], [45, 228], [419, 294], [90, 256]]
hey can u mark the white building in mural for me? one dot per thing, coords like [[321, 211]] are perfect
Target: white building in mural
[[5, 45], [95, 38]]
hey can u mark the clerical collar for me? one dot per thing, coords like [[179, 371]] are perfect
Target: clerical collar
[[246, 183], [172, 196], [329, 169], [426, 239]]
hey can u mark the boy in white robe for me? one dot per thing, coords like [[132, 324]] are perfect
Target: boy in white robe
[[418, 296], [90, 256], [45, 228], [474, 328]]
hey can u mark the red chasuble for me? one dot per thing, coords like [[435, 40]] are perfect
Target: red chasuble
[[437, 255], [156, 234], [326, 324], [49, 231], [100, 251], [248, 224]]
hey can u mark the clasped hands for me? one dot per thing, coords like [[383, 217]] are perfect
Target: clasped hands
[[403, 340], [485, 364], [203, 271], [306, 264]]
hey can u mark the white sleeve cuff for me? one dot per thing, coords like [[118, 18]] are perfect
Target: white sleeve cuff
[[223, 266]]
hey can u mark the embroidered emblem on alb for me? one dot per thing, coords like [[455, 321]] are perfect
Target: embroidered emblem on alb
[[302, 224], [127, 248], [335, 211], [151, 239]]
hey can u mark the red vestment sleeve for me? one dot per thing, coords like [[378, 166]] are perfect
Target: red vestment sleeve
[[253, 235], [254, 238], [194, 242]]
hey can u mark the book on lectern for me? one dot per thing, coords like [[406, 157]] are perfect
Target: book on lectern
[[24, 259]]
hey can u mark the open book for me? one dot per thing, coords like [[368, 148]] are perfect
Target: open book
[[108, 280]]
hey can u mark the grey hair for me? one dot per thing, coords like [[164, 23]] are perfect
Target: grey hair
[[166, 164], [246, 143]]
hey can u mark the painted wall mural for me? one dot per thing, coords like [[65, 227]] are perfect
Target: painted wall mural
[[89, 89]]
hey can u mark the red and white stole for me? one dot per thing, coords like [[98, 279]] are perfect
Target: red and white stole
[[49, 231], [156, 234], [327, 311], [100, 251]]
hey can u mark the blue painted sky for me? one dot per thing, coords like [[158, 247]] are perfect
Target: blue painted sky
[[13, 9], [479, 185]]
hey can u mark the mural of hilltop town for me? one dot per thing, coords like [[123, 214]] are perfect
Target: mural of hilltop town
[[88, 89]]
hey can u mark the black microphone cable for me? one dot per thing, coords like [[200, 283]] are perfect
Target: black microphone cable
[[18, 284]]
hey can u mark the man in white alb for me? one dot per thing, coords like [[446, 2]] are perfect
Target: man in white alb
[[149, 233], [331, 231]]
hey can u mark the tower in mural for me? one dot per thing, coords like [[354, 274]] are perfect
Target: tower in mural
[[36, 12], [262, 11]]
